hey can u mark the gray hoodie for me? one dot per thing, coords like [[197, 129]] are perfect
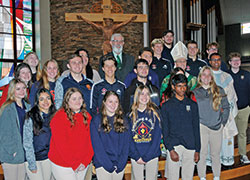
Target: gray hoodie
[[208, 116]]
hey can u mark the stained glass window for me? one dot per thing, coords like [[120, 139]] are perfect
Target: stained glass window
[[16, 32]]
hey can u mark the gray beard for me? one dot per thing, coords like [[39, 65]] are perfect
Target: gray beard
[[117, 50]]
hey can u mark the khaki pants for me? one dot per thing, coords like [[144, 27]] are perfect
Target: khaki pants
[[43, 170], [241, 121], [186, 161], [102, 174], [213, 139], [88, 175], [151, 168], [65, 173], [14, 171]]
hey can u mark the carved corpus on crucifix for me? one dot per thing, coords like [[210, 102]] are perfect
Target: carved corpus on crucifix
[[108, 12]]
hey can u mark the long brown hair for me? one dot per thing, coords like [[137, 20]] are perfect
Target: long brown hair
[[44, 78], [151, 107], [214, 89], [11, 93], [69, 112], [119, 124]]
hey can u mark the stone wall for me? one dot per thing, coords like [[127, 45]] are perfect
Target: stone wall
[[66, 37]]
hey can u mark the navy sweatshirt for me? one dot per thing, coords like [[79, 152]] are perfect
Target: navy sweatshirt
[[180, 124], [241, 86], [110, 149], [146, 137], [98, 91]]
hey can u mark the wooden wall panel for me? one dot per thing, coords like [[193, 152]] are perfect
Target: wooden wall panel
[[158, 18]]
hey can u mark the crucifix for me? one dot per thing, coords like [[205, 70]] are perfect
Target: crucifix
[[106, 11]]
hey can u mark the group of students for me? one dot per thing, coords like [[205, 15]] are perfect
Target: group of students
[[39, 141], [60, 125]]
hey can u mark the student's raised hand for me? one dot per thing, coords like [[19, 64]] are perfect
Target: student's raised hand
[[174, 156], [140, 161], [196, 157]]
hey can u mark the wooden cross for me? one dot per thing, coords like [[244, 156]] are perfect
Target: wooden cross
[[106, 6], [102, 11]]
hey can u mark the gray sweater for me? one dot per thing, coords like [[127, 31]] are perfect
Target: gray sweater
[[208, 116], [11, 146]]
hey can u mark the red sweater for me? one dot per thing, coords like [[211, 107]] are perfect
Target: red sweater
[[4, 94], [70, 145]]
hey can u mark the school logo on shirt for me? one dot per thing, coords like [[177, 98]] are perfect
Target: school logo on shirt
[[188, 68], [104, 91], [165, 66], [88, 87], [118, 91], [150, 78], [142, 130], [188, 108], [242, 77]]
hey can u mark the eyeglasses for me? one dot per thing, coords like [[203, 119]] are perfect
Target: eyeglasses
[[117, 41]]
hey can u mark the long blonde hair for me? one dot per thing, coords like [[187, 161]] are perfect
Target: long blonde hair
[[214, 89], [44, 78], [38, 68], [11, 93], [151, 107], [69, 111], [119, 124]]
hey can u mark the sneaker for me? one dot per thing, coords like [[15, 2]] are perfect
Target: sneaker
[[244, 159], [217, 178], [203, 178]]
